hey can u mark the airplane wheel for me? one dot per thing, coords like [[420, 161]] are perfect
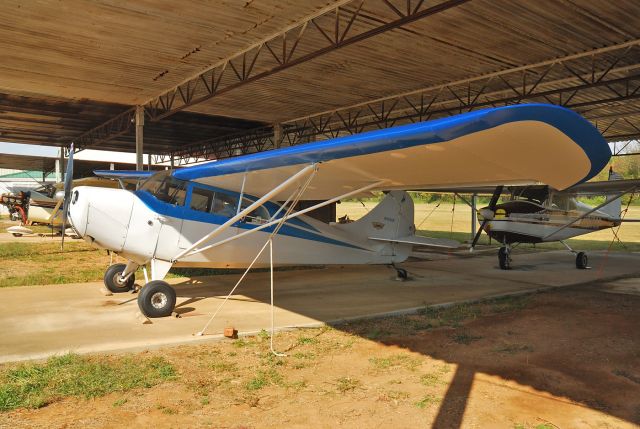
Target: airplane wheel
[[17, 235], [503, 259], [113, 282], [401, 274], [157, 299], [581, 261]]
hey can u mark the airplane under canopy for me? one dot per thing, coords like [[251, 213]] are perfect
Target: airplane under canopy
[[220, 214], [523, 144]]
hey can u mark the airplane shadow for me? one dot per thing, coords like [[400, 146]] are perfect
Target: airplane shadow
[[578, 343]]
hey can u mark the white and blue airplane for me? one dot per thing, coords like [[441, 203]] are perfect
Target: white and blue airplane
[[226, 213]]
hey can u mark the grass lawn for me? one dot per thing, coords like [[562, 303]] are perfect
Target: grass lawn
[[34, 385]]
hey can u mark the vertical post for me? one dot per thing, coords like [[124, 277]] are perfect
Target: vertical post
[[277, 135], [474, 215], [58, 172], [112, 166], [149, 161], [139, 138], [60, 166], [171, 162]]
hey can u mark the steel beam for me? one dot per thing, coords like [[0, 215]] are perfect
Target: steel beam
[[597, 77], [139, 119], [337, 28]]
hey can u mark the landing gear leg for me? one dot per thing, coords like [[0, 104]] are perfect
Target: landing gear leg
[[504, 257], [582, 260]]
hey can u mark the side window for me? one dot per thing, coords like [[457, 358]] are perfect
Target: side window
[[224, 205], [201, 199], [259, 215], [172, 191]]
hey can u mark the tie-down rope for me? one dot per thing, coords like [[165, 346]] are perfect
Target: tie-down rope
[[298, 194]]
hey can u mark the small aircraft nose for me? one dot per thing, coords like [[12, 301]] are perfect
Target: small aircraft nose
[[101, 215], [78, 210], [486, 214]]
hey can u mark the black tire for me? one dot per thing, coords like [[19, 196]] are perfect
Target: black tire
[[581, 261], [503, 259], [157, 299], [401, 274], [112, 279], [15, 234]]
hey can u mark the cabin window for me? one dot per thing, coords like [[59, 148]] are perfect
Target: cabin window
[[166, 188], [259, 215], [201, 199], [224, 205]]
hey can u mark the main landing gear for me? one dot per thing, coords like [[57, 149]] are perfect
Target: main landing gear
[[582, 260], [156, 298], [504, 257]]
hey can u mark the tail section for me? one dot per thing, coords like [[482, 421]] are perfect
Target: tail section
[[390, 219], [614, 208], [391, 224]]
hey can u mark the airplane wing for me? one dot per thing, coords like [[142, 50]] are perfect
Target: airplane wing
[[124, 174], [604, 187], [513, 145]]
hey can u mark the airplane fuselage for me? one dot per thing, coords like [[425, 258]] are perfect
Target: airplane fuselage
[[144, 225], [529, 222]]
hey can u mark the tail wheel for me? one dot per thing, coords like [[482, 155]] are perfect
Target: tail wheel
[[503, 259], [581, 261], [113, 279], [157, 299]]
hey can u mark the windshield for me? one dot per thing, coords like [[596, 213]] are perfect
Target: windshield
[[166, 188]]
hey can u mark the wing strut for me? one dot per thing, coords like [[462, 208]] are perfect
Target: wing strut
[[258, 203]]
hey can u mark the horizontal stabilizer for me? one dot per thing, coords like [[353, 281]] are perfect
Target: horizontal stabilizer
[[421, 241], [123, 174]]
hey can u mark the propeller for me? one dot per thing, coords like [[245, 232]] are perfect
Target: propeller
[[68, 181], [487, 216]]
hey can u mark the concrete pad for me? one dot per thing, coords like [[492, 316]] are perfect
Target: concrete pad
[[39, 321]]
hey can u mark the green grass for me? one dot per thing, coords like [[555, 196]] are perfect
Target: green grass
[[513, 348], [394, 361], [263, 379], [428, 401], [347, 384], [34, 385], [465, 338]]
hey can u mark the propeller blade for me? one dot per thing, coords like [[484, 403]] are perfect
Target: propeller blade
[[68, 181], [495, 197], [492, 206]]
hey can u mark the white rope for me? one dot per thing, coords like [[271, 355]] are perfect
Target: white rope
[[298, 194]]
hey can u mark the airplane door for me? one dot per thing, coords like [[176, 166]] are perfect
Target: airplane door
[[169, 238]]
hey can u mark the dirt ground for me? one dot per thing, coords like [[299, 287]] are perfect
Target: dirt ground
[[569, 358]]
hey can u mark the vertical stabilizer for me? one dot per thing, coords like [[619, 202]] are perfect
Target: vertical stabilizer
[[391, 218]]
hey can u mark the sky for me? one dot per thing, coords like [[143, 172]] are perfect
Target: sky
[[53, 152]]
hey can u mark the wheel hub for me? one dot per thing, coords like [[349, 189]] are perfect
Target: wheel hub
[[159, 300], [119, 280]]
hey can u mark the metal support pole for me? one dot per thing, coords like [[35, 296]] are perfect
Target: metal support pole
[[58, 172], [149, 161], [60, 166], [171, 161], [139, 138], [277, 135], [474, 215]]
